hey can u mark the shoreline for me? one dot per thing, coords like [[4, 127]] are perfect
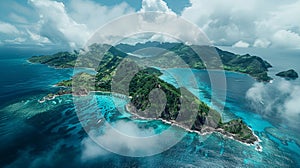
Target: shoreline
[[164, 69], [223, 70], [220, 131], [208, 130], [46, 98], [58, 68]]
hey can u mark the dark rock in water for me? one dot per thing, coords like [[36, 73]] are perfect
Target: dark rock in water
[[289, 74]]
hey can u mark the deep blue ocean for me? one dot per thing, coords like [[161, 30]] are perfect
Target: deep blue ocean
[[49, 134]]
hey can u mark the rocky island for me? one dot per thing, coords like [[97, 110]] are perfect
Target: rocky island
[[251, 65], [179, 105], [289, 74], [182, 107]]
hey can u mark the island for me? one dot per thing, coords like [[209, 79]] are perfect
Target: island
[[178, 106], [191, 115], [58, 60], [251, 65], [289, 74]]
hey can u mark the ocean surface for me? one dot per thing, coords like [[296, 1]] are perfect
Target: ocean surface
[[49, 134]]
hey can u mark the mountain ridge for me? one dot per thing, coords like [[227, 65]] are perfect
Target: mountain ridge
[[196, 116]]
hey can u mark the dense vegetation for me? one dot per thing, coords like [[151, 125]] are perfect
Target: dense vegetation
[[289, 74], [239, 130], [150, 96], [181, 106], [252, 65], [58, 60]]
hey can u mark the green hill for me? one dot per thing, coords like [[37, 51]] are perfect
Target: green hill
[[150, 97]]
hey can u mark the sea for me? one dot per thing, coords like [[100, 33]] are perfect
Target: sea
[[54, 134]]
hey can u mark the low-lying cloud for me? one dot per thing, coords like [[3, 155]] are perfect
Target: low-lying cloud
[[278, 101], [129, 139], [241, 44], [91, 150]]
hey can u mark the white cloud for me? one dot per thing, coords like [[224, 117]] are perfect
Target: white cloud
[[278, 100], [155, 6], [224, 22], [283, 17], [161, 38], [120, 139], [241, 44], [127, 138], [259, 23], [17, 40], [8, 28], [256, 92], [91, 149], [286, 38], [17, 18], [143, 38], [37, 38], [261, 43], [256, 22], [53, 13], [75, 25], [291, 105], [95, 15]]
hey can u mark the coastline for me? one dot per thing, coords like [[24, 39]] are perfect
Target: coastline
[[46, 98], [220, 70], [208, 130]]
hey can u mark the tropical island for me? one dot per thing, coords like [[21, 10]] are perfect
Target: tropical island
[[289, 74], [180, 106], [251, 65]]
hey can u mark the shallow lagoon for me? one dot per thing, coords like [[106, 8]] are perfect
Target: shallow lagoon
[[50, 133]]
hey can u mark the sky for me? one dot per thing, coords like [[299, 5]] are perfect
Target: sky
[[70, 23]]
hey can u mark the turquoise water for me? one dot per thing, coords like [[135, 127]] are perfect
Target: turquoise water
[[38, 134], [236, 104]]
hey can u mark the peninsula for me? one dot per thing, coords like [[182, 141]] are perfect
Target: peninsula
[[251, 65], [193, 114]]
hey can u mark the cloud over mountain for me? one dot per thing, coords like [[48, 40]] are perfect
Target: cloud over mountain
[[257, 23]]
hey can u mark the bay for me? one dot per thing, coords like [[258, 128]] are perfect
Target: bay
[[35, 134]]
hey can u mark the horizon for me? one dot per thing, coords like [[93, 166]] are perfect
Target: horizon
[[149, 83], [242, 24]]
